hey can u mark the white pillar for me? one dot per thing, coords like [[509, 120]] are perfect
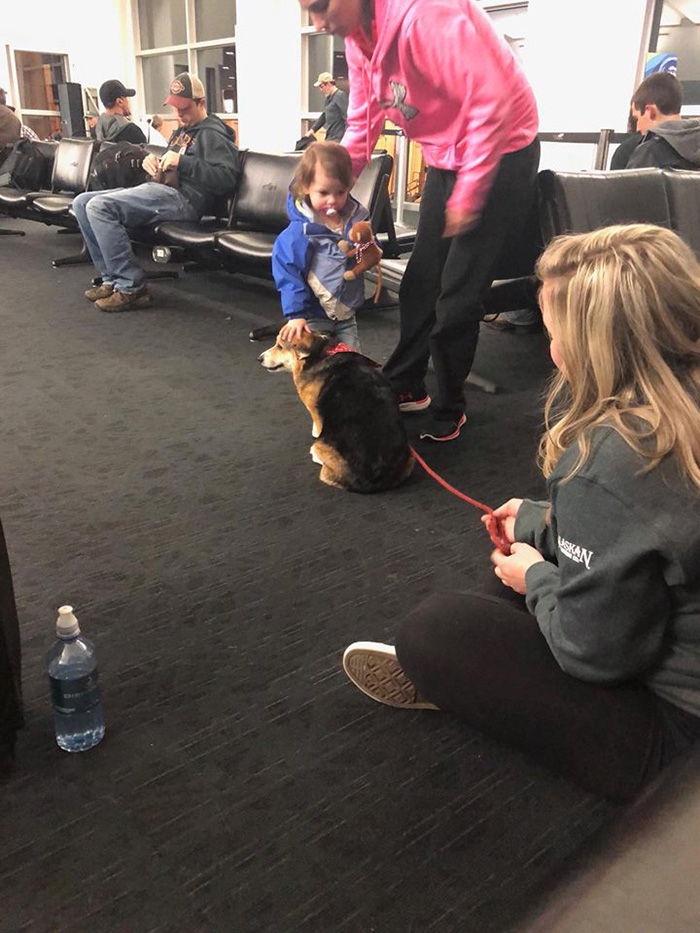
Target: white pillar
[[268, 59], [583, 60]]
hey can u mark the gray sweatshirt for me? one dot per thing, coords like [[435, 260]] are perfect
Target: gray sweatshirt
[[618, 596], [671, 144]]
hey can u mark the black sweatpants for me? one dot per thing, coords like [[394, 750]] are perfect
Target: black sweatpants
[[484, 660], [446, 280]]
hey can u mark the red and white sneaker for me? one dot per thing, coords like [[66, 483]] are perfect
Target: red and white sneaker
[[443, 430], [413, 401]]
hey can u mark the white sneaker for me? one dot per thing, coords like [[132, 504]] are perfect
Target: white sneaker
[[374, 668]]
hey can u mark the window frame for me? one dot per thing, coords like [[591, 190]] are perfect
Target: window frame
[[13, 71], [191, 47]]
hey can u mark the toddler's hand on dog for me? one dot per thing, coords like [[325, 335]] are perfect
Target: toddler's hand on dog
[[294, 328]]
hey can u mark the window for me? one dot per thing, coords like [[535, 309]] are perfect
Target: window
[[162, 23], [217, 71], [320, 52], [678, 37], [34, 83], [214, 19], [173, 36]]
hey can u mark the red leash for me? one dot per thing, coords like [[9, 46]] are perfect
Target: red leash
[[493, 524]]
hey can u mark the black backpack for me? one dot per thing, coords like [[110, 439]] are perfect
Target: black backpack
[[26, 167], [118, 166]]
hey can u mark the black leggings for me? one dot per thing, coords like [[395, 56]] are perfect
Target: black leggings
[[447, 280], [484, 660]]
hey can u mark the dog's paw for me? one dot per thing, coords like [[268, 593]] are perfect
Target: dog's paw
[[314, 455], [315, 432]]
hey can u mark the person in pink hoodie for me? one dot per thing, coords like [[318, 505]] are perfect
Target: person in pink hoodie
[[439, 70]]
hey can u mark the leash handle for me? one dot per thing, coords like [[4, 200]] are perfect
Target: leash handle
[[493, 523]]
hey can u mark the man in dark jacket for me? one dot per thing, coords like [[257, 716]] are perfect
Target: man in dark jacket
[[114, 125], [335, 113], [200, 166], [669, 141]]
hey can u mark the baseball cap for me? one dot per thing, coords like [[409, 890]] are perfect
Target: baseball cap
[[112, 89], [184, 89], [323, 78]]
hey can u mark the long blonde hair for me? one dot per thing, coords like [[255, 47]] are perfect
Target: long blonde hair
[[624, 303]]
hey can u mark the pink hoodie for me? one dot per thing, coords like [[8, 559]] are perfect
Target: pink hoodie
[[441, 72]]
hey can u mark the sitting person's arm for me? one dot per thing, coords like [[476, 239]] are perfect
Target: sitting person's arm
[[604, 610], [528, 522], [289, 264], [216, 167]]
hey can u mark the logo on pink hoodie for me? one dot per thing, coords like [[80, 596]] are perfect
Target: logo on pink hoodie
[[399, 91]]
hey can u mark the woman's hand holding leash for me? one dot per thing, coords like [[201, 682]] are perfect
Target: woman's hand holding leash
[[511, 569], [506, 515]]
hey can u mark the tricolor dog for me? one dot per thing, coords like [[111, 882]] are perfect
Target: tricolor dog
[[361, 441]]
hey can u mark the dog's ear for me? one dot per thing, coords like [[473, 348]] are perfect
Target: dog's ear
[[311, 348]]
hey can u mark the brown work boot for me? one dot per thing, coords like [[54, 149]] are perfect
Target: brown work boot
[[99, 291], [125, 301]]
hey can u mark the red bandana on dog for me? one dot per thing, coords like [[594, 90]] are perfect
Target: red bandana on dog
[[344, 348]]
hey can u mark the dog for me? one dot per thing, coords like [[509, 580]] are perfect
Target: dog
[[361, 441]]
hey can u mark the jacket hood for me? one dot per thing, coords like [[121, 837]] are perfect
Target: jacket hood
[[683, 136], [109, 126]]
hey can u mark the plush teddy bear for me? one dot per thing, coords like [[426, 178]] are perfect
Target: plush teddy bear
[[367, 253]]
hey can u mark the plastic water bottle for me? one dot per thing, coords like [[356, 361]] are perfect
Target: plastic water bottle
[[72, 668]]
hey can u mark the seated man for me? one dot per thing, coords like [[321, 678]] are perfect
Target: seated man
[[668, 141], [114, 125], [201, 161]]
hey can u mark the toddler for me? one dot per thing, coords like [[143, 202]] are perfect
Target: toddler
[[307, 262]]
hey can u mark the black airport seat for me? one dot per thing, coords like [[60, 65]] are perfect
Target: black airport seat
[[71, 170], [260, 206], [683, 193], [15, 201], [578, 202], [259, 211]]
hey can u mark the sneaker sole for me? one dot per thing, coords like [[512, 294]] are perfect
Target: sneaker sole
[[449, 437], [374, 670], [420, 405]]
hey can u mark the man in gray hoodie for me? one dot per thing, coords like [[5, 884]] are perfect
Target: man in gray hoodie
[[668, 140], [114, 125]]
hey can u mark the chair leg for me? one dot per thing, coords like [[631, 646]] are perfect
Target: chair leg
[[163, 274], [82, 257]]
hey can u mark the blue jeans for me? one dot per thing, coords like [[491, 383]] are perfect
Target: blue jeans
[[342, 331], [103, 218]]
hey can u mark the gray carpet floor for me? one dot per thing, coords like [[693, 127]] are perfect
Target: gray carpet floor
[[155, 478]]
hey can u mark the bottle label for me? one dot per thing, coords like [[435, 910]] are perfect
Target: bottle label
[[75, 696]]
